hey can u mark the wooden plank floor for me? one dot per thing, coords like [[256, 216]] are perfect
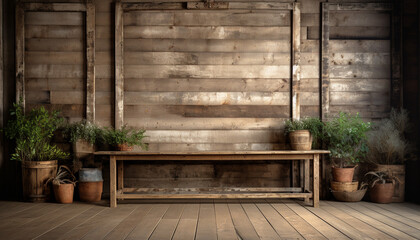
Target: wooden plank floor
[[218, 219]]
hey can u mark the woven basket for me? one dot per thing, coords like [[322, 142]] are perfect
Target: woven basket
[[344, 186]]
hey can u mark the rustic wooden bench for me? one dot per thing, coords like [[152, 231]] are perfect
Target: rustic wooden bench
[[117, 190]]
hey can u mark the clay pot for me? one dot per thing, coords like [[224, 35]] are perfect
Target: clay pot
[[343, 174], [90, 191], [300, 140], [382, 193], [344, 186], [63, 192], [124, 147]]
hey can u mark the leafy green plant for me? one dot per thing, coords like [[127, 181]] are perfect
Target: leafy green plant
[[313, 125], [125, 135], [32, 133], [345, 136], [381, 178], [64, 176], [386, 141], [83, 130]]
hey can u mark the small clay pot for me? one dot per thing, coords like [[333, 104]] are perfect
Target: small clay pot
[[90, 191], [343, 174], [63, 192], [382, 192], [124, 147]]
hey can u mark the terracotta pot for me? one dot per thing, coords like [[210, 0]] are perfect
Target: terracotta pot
[[344, 186], [300, 140], [343, 174], [63, 192], [382, 193], [90, 191], [399, 172], [124, 147], [34, 176]]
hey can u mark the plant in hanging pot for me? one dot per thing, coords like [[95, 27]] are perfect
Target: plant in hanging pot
[[388, 148], [305, 133], [63, 185], [381, 186], [32, 133], [345, 136], [84, 136], [124, 139]]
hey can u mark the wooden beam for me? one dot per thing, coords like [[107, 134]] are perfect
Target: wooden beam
[[55, 7], [296, 61], [315, 179], [396, 51], [113, 181], [119, 65], [90, 59], [20, 53], [208, 5], [325, 58], [151, 6], [213, 195], [244, 157], [360, 6], [213, 189]]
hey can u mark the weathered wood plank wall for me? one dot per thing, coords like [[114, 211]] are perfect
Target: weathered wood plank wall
[[200, 79]]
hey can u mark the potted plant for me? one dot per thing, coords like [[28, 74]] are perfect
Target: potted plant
[[32, 133], [124, 139], [345, 136], [388, 148], [381, 186], [83, 135], [304, 133], [63, 185]]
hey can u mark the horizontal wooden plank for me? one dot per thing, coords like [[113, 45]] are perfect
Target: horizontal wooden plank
[[54, 18], [203, 58], [366, 112], [360, 19], [37, 96], [218, 18], [261, 5], [54, 58], [309, 71], [223, 111], [214, 147], [214, 195], [361, 7], [210, 32], [213, 136], [151, 5], [206, 71], [206, 98], [183, 123], [360, 98], [79, 97], [352, 32], [55, 71], [211, 189], [202, 45], [207, 85], [360, 46], [41, 44], [360, 71], [66, 110], [55, 31], [56, 7], [360, 58], [360, 85], [309, 98], [54, 84]]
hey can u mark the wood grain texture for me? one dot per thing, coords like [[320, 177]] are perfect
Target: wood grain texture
[[90, 60], [119, 67], [20, 53]]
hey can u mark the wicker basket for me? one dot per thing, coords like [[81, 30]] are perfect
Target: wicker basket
[[355, 196], [344, 186]]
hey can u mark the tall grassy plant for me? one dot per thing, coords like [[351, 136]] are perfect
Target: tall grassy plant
[[32, 133], [83, 130], [345, 136], [125, 135]]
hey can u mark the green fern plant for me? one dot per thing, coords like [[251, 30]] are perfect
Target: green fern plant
[[131, 137]]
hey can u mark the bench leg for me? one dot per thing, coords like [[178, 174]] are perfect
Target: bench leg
[[120, 175], [306, 178], [113, 181], [315, 185]]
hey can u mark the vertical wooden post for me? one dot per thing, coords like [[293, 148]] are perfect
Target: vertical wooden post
[[119, 71], [90, 59], [325, 58], [315, 184], [396, 50], [306, 177], [20, 53], [296, 61], [113, 181]]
